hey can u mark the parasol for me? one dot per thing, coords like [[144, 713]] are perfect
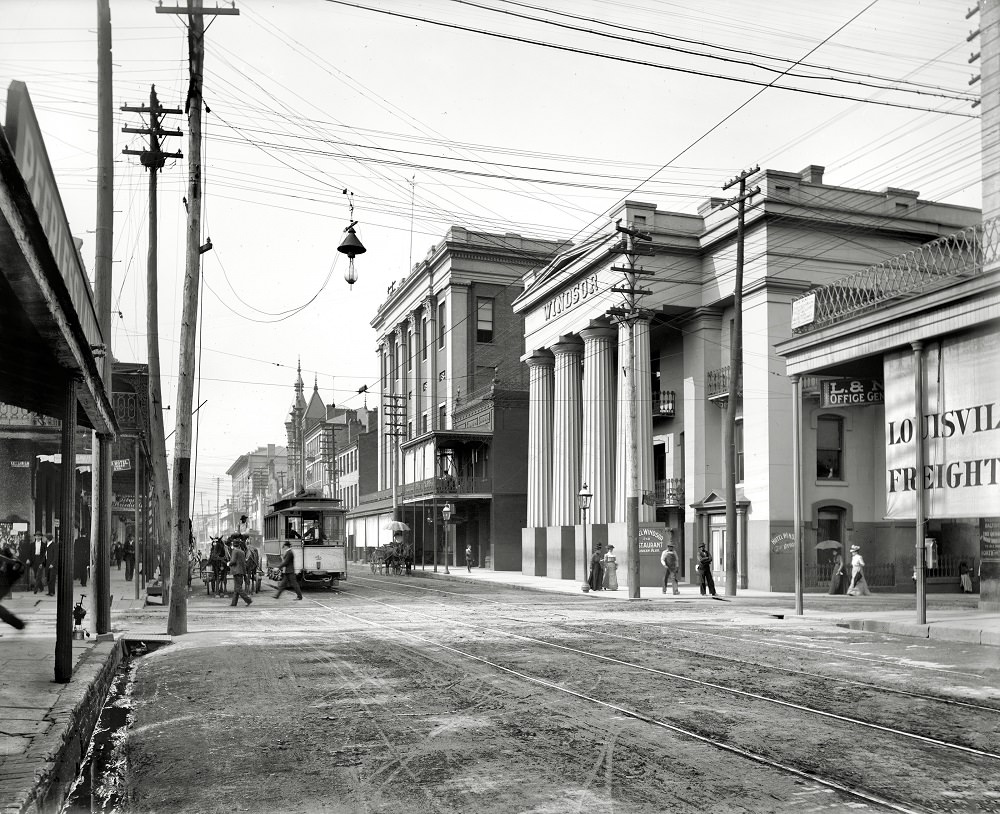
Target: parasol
[[829, 544], [396, 525]]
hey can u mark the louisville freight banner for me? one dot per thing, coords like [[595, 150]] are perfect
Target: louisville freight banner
[[959, 427]]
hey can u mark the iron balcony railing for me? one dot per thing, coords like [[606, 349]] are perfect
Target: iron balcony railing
[[935, 265], [717, 384], [448, 485], [670, 492], [664, 402]]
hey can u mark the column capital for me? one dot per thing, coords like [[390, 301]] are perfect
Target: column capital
[[597, 329], [428, 305], [540, 358], [411, 321], [569, 343]]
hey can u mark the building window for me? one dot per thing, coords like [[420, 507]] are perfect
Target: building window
[[830, 447], [441, 417], [409, 350], [409, 430], [738, 443], [426, 338], [484, 319], [441, 325]]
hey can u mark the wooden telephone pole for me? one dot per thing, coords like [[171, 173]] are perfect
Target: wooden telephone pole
[[177, 611], [735, 379], [628, 314], [153, 159]]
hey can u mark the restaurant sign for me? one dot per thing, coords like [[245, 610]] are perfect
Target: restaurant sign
[[851, 392]]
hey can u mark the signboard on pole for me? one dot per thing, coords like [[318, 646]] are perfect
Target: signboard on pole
[[959, 427]]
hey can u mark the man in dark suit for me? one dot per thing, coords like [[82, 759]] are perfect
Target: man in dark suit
[[288, 579], [51, 560], [33, 556]]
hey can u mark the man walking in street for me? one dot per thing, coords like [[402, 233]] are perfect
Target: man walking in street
[[238, 568], [468, 557], [668, 559], [288, 580], [705, 569]]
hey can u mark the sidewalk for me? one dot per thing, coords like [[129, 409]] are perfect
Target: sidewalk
[[45, 727]]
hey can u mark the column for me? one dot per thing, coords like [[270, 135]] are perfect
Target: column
[[67, 520], [541, 387], [566, 431], [598, 456], [644, 421]]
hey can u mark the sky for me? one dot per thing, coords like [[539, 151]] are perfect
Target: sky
[[533, 117]]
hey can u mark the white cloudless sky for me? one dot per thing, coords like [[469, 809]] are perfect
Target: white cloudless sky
[[435, 113]]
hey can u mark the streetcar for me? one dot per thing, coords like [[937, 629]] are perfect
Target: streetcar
[[317, 529]]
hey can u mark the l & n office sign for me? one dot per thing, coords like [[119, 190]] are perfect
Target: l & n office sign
[[959, 428]]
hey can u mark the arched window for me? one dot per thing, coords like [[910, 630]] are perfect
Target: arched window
[[830, 447]]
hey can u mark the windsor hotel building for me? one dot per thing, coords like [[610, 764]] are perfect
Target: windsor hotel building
[[801, 234]]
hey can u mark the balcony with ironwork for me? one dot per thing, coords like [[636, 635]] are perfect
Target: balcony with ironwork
[[669, 492], [717, 385], [664, 402], [448, 485], [934, 266]]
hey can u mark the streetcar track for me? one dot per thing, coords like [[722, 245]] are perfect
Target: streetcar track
[[710, 685], [780, 645], [631, 713]]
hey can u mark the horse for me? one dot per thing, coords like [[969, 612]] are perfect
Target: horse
[[218, 558]]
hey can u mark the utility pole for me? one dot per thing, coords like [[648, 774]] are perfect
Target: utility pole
[[153, 160], [177, 612], [394, 410], [735, 378], [218, 518], [629, 314], [100, 525]]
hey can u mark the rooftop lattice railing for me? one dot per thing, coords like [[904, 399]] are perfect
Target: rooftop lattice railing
[[937, 264]]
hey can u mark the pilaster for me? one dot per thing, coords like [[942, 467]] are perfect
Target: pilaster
[[540, 402]]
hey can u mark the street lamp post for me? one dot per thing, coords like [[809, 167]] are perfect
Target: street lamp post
[[446, 514], [583, 501]]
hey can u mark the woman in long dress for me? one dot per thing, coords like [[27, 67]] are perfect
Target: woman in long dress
[[859, 586], [837, 576], [610, 570]]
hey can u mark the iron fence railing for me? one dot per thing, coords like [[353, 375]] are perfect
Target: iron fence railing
[[937, 264], [877, 575]]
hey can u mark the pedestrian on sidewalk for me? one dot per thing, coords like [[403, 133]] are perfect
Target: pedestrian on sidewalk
[[705, 569], [668, 559], [837, 575], [596, 579], [10, 570], [128, 552], [51, 558], [238, 568], [468, 557], [859, 586], [116, 553], [35, 562], [288, 580], [610, 570], [965, 575], [81, 558]]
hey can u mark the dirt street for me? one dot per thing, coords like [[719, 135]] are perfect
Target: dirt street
[[412, 695]]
